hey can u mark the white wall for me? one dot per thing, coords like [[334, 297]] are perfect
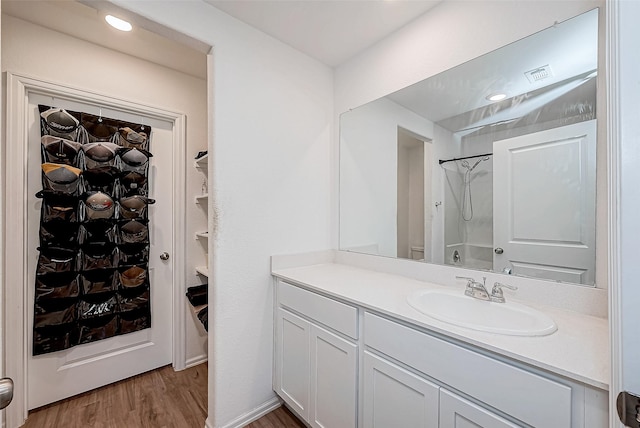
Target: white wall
[[272, 113], [102, 70], [454, 32], [368, 165]]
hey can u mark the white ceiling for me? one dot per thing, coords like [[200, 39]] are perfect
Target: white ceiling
[[85, 22], [331, 31]]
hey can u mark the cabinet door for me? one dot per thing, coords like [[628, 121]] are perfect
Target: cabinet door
[[456, 412], [394, 397], [292, 364], [334, 380]]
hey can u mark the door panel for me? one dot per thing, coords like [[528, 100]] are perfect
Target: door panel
[[293, 361], [394, 397], [334, 379], [54, 376], [456, 412], [544, 204]]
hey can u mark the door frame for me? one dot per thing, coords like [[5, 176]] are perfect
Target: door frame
[[14, 159]]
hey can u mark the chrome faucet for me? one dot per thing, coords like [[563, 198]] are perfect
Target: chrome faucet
[[496, 292], [476, 289]]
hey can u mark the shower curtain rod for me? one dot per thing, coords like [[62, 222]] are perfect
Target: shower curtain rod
[[440, 161]]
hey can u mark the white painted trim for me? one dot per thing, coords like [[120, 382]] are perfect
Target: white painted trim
[[253, 415], [192, 362], [614, 137], [179, 241], [207, 424], [15, 228]]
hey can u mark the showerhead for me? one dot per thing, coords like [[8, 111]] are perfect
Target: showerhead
[[470, 168], [476, 164]]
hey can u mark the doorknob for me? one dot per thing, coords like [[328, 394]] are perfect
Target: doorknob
[[6, 392], [164, 256], [498, 250], [628, 406]]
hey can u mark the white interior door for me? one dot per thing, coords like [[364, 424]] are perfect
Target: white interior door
[[54, 376], [544, 204]]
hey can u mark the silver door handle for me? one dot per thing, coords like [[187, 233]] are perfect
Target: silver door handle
[[164, 256], [498, 250], [6, 392]]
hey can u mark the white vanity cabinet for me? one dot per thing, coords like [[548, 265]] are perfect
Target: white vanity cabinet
[[513, 391], [316, 357], [409, 376], [395, 397]]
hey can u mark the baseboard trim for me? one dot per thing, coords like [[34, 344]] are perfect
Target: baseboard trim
[[191, 362], [253, 415]]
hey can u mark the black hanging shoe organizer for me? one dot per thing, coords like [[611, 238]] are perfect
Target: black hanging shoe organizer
[[92, 269]]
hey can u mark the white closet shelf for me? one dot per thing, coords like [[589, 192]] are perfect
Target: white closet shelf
[[202, 162], [202, 198], [202, 270], [203, 235]]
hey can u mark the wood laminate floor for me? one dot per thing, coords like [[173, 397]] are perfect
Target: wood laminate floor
[[160, 398], [279, 418]]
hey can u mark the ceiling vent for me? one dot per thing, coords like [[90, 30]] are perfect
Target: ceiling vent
[[538, 74]]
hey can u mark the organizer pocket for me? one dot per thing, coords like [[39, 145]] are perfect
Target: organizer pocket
[[135, 160], [57, 285], [130, 138], [58, 233], [61, 178], [99, 281], [58, 206], [99, 255], [98, 205], [97, 305], [60, 150], [58, 122], [98, 231], [100, 154], [131, 299], [50, 312], [133, 183], [134, 207], [133, 232], [53, 338], [101, 179], [56, 259], [135, 320], [133, 276], [98, 328], [133, 254], [99, 129]]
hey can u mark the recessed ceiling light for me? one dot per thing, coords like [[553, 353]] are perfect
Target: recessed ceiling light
[[117, 23], [497, 97]]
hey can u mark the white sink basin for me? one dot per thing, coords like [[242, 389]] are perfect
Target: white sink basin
[[455, 308]]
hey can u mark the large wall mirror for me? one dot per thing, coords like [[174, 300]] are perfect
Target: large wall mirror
[[490, 165]]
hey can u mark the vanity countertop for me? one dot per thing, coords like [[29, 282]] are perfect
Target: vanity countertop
[[578, 350]]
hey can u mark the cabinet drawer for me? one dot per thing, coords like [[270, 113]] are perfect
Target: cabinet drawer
[[338, 316], [530, 398]]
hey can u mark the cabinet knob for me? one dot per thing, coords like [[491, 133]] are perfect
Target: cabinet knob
[[164, 256], [498, 250]]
